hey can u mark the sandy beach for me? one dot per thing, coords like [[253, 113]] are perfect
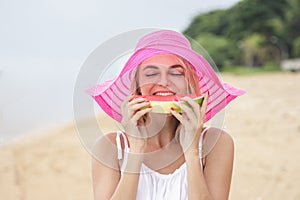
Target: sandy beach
[[265, 125]]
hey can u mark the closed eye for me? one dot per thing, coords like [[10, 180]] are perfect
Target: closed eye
[[176, 70], [151, 70], [151, 74], [176, 74]]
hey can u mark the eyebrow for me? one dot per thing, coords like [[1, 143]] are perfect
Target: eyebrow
[[150, 66], [155, 67], [177, 66]]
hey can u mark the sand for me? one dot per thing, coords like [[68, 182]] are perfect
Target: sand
[[264, 123]]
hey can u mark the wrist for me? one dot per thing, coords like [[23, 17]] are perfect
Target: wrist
[[192, 153]]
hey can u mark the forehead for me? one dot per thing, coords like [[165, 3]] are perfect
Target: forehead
[[163, 59]]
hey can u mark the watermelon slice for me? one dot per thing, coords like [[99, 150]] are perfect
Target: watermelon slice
[[163, 104]]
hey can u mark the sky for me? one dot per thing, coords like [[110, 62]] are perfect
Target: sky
[[43, 44], [68, 28]]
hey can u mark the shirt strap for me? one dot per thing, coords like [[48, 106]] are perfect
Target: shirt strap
[[201, 145], [126, 149]]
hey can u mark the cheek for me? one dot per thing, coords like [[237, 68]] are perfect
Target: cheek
[[145, 89], [181, 84], [145, 86], [147, 83]]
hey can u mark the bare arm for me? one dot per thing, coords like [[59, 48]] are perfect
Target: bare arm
[[197, 186], [107, 180], [214, 182], [218, 167], [108, 184]]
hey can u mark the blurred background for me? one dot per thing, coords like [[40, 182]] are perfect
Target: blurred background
[[254, 43], [43, 44]]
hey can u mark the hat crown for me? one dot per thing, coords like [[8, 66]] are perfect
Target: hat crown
[[163, 37]]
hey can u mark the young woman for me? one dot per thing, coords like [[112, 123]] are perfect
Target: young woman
[[167, 155]]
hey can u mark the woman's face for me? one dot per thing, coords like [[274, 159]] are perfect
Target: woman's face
[[163, 75]]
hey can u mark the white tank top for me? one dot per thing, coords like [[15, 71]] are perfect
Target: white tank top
[[154, 185]]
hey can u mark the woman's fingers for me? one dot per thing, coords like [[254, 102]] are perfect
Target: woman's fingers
[[186, 117], [139, 114], [177, 116], [125, 103], [204, 105], [136, 100], [131, 100], [131, 105], [137, 107], [192, 106], [190, 109], [134, 108]]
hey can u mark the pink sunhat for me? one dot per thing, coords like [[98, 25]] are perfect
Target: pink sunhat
[[111, 94]]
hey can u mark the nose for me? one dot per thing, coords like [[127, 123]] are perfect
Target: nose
[[164, 79]]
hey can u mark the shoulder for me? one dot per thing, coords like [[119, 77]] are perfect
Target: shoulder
[[104, 144], [217, 140], [104, 151], [105, 139], [107, 142], [223, 136]]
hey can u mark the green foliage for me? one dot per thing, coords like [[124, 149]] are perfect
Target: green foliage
[[213, 22], [292, 27], [296, 46], [222, 50], [266, 31], [254, 49], [250, 16]]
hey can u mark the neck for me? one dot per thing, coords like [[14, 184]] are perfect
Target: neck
[[165, 133]]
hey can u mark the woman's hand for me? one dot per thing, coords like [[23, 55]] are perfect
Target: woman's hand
[[192, 120], [133, 122]]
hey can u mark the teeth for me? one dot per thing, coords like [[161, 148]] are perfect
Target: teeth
[[164, 93]]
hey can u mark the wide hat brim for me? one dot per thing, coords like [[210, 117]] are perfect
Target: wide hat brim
[[111, 94]]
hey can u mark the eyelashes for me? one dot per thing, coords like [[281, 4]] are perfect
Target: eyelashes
[[172, 73], [151, 74], [153, 70]]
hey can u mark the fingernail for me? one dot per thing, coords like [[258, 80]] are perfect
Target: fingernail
[[172, 108]]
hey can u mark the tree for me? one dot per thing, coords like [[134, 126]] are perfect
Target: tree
[[292, 24], [224, 52], [277, 22], [250, 16], [212, 22], [254, 50], [296, 49]]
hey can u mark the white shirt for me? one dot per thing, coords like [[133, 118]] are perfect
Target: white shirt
[[154, 185]]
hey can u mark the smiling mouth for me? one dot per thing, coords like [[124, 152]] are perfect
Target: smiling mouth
[[160, 93]]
